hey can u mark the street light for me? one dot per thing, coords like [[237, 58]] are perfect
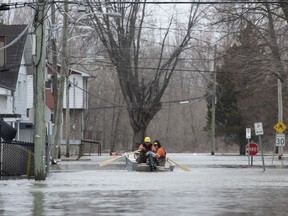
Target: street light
[[111, 14], [184, 102], [75, 22]]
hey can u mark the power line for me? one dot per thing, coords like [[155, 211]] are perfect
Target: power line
[[17, 38], [196, 2], [102, 99], [116, 105], [7, 6]]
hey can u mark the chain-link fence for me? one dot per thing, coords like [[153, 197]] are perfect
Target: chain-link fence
[[17, 159]]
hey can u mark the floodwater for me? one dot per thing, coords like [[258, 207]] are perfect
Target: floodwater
[[216, 185]]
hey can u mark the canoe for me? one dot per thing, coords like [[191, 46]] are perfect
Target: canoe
[[132, 165]]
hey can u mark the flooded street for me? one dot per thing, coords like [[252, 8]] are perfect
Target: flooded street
[[216, 185]]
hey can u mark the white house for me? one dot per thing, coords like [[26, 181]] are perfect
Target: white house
[[78, 103], [15, 56], [16, 88]]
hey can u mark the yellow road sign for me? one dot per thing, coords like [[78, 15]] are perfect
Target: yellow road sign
[[280, 127]]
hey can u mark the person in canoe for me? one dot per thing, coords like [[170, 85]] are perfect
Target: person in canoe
[[160, 153], [147, 154]]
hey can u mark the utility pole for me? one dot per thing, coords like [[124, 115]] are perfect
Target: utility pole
[[214, 100], [65, 71], [39, 93], [54, 79], [0, 151], [67, 116], [63, 74], [280, 112]]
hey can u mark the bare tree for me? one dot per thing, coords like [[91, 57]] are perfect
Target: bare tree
[[122, 38]]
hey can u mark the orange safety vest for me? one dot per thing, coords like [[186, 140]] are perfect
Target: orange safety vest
[[160, 153], [153, 149]]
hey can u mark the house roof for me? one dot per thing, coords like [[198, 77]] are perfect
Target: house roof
[[71, 70], [9, 75], [49, 96]]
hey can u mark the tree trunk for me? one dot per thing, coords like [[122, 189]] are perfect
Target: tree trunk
[[140, 119], [138, 137], [114, 129], [242, 149]]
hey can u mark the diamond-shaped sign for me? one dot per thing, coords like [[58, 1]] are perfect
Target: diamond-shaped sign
[[280, 127]]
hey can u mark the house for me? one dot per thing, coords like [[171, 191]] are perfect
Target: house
[[78, 103], [17, 94], [15, 69]]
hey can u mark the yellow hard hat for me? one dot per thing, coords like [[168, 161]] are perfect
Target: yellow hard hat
[[147, 140]]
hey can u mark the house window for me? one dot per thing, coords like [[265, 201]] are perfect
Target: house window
[[48, 84], [2, 52], [52, 118]]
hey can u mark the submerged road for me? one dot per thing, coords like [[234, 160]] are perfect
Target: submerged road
[[216, 185]]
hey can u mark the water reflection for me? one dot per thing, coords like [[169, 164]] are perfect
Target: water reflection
[[97, 202], [38, 203]]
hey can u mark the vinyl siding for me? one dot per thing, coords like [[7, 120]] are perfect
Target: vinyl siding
[[21, 92], [76, 93], [29, 91]]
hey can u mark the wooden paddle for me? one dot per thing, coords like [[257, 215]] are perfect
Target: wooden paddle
[[106, 162], [180, 165]]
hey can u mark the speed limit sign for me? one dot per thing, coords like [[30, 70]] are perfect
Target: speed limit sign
[[280, 139]]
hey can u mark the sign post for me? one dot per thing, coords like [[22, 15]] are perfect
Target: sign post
[[258, 127], [280, 127], [248, 137], [280, 140], [252, 149]]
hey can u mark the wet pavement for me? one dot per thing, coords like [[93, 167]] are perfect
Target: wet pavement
[[216, 185]]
